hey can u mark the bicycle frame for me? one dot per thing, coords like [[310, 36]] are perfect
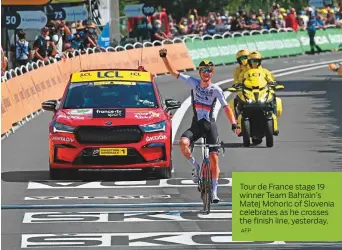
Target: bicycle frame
[[205, 176], [204, 180]]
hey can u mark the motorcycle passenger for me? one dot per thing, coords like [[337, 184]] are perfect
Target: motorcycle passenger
[[254, 62], [204, 96]]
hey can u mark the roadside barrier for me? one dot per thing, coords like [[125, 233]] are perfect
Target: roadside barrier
[[24, 89], [221, 49]]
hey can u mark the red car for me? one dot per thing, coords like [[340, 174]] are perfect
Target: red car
[[110, 119]]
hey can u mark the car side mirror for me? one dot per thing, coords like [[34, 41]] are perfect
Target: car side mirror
[[49, 105], [172, 104]]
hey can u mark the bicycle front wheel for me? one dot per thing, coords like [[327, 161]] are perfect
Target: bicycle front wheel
[[206, 191]]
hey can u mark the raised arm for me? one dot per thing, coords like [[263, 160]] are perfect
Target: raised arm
[[229, 113], [169, 67]]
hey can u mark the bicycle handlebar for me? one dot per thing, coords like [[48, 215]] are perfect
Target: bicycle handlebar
[[198, 144]]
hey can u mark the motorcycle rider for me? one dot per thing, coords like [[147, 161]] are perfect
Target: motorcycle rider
[[204, 95], [242, 59]]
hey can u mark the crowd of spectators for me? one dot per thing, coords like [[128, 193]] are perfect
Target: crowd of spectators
[[56, 40], [59, 38], [219, 22]]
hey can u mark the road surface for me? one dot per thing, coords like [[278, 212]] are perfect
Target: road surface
[[310, 140]]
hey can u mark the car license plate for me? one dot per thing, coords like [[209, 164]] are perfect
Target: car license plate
[[113, 151]]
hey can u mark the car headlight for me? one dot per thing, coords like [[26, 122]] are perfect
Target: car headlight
[[155, 127], [62, 128]]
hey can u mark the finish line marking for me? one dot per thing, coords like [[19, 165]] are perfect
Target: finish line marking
[[126, 216], [136, 205], [163, 183]]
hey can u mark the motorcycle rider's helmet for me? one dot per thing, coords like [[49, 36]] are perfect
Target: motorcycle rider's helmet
[[242, 57], [206, 67], [254, 59]]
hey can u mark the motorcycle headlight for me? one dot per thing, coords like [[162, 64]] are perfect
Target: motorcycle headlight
[[62, 128], [262, 100], [155, 127], [249, 100]]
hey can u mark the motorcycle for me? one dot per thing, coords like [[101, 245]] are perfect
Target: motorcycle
[[257, 110]]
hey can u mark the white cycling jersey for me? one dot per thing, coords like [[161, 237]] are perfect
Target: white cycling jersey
[[203, 99]]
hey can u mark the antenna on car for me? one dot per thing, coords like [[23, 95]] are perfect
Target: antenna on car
[[141, 56]]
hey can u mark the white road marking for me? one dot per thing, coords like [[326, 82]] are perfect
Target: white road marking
[[131, 239], [125, 216], [163, 183]]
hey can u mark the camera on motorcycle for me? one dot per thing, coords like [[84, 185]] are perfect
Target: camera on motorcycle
[[279, 87]]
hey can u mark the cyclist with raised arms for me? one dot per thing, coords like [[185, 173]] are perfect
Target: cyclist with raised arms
[[204, 95]]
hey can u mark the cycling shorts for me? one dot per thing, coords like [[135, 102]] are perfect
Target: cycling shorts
[[203, 128]]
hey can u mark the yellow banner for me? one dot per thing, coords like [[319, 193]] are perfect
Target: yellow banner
[[111, 75], [67, 1]]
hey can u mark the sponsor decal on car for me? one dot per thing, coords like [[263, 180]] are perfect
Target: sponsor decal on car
[[111, 75], [80, 112], [156, 138], [71, 117], [109, 113], [146, 115], [64, 139]]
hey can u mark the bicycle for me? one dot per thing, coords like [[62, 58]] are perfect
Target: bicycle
[[205, 180]]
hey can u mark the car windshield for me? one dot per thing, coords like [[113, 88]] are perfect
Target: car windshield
[[111, 94]]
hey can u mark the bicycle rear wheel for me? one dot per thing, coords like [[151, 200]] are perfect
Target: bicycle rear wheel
[[207, 186]]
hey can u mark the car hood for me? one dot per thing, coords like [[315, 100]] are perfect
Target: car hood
[[103, 117]]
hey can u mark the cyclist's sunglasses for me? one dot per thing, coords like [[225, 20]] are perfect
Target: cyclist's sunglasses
[[255, 60], [241, 58], [204, 70]]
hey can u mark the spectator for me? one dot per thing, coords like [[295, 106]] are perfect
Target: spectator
[[254, 23], [291, 21], [21, 52], [40, 45], [192, 24], [268, 22], [201, 26], [4, 62], [157, 34], [211, 27], [183, 26], [56, 41], [281, 21], [91, 36], [312, 26], [173, 29], [78, 39], [331, 17]]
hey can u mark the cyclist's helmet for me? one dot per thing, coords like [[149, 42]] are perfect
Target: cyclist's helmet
[[206, 64], [254, 59], [242, 56]]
